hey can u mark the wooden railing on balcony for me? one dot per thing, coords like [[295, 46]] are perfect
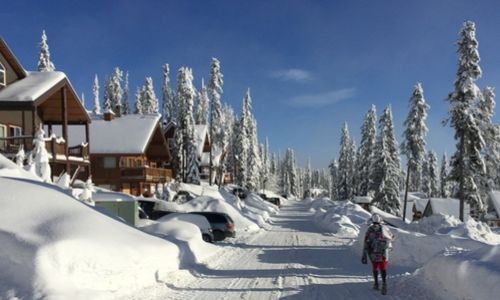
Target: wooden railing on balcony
[[146, 173], [11, 145]]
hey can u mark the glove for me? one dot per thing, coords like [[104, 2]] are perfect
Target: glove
[[364, 261]]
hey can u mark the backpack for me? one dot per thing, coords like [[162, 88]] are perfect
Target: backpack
[[378, 241]]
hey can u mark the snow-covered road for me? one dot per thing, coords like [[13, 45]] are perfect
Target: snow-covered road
[[290, 260]]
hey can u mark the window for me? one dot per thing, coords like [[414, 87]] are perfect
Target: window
[[15, 131], [109, 162], [3, 134], [3, 76]]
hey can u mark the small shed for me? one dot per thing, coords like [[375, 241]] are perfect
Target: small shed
[[363, 201], [445, 206], [119, 204]]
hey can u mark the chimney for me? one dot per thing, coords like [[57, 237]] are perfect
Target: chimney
[[109, 115]]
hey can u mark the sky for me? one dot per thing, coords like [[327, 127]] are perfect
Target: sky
[[310, 65]]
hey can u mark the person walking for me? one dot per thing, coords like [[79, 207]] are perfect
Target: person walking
[[377, 244]]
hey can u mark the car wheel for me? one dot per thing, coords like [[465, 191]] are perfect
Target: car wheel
[[219, 235], [206, 238]]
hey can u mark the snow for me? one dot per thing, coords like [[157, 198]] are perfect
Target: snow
[[495, 200], [447, 206], [184, 227], [55, 247], [130, 133], [200, 134], [9, 169], [30, 88]]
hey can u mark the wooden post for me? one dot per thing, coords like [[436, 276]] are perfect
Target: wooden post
[[64, 115], [406, 191], [33, 116], [24, 129]]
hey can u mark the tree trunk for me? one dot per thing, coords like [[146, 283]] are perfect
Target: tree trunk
[[461, 192], [406, 191]]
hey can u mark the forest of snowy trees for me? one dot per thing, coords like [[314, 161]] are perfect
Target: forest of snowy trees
[[371, 169]]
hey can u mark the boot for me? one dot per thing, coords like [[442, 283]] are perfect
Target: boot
[[384, 289], [375, 278]]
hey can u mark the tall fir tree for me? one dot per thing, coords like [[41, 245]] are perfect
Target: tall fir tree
[[433, 174], [254, 162], [333, 174], [95, 92], [169, 107], [444, 186], [344, 175], [149, 100], [413, 145], [214, 90], [467, 163], [425, 184], [202, 111], [366, 151], [107, 105], [44, 62], [116, 91], [138, 102], [126, 100]]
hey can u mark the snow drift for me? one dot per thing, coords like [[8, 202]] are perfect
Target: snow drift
[[56, 247]]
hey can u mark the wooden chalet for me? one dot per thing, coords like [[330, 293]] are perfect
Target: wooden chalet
[[129, 153], [29, 100]]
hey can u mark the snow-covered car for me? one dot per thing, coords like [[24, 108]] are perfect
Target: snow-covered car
[[198, 220], [221, 223], [183, 197], [240, 192], [151, 207]]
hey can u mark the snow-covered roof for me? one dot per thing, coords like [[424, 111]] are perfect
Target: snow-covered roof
[[30, 88], [200, 133], [420, 204], [205, 158], [447, 206], [495, 200], [126, 134]]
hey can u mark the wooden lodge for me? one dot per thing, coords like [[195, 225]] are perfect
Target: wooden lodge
[[29, 100], [129, 153]]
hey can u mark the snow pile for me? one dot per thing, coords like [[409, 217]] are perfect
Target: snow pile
[[177, 229], [9, 169], [459, 274], [315, 204], [342, 218], [54, 246]]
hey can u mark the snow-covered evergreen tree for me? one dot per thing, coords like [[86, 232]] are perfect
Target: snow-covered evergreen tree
[[334, 177], [433, 174], [149, 100], [241, 151], [228, 120], [107, 105], [202, 111], [138, 101], [425, 184], [169, 109], [44, 62], [387, 174], [444, 185], [214, 90], [95, 92], [366, 151], [20, 156], [115, 91], [307, 178], [413, 145], [126, 100], [467, 163], [254, 162], [344, 174]]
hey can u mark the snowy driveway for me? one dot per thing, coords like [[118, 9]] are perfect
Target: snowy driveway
[[290, 260]]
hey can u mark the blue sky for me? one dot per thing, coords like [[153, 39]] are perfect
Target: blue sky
[[311, 65]]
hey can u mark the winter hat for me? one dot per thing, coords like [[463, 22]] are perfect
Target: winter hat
[[376, 218]]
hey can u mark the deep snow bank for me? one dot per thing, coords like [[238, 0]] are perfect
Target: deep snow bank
[[343, 218], [55, 247]]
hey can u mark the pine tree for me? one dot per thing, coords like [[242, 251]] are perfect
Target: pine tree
[[241, 151], [95, 93], [138, 102], [366, 149], [254, 162], [185, 95], [433, 174], [214, 91], [126, 100], [169, 109], [44, 62], [334, 174], [227, 161], [115, 91], [202, 112], [467, 162], [108, 106], [413, 145], [425, 184], [307, 178], [149, 100], [444, 186], [352, 169], [344, 169]]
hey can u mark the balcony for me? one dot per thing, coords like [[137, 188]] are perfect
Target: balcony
[[56, 147], [146, 173]]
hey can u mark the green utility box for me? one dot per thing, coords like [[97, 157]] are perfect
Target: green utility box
[[119, 204]]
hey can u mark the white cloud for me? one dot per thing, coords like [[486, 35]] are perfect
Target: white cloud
[[322, 99], [292, 75]]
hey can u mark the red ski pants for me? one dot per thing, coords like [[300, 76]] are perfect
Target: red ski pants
[[379, 265]]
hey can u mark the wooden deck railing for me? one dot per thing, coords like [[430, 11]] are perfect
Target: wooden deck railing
[[11, 145], [147, 173]]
